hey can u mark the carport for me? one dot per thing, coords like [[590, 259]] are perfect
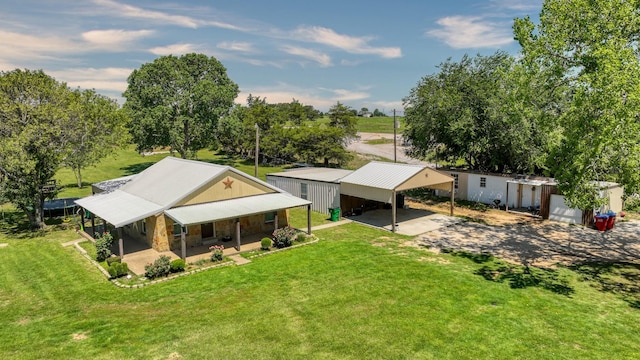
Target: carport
[[381, 181]]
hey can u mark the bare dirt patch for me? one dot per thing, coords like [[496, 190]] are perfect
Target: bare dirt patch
[[79, 336], [529, 241]]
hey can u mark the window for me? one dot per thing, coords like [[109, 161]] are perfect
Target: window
[[455, 180], [270, 217], [177, 229], [483, 182], [303, 191], [143, 227]]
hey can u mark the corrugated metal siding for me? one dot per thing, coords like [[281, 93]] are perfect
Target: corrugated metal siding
[[314, 174], [323, 195]]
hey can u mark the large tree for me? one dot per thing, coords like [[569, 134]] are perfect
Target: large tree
[[343, 117], [34, 138], [176, 102], [470, 111], [590, 46], [98, 127]]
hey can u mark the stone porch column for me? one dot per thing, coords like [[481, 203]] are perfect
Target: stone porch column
[[183, 242], [120, 243]]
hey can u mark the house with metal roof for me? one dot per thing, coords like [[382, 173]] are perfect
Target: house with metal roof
[[177, 203]]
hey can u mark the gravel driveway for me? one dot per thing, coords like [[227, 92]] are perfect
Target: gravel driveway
[[383, 150], [541, 244]]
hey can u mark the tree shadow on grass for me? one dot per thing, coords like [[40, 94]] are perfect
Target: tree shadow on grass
[[136, 168], [517, 276], [620, 278]]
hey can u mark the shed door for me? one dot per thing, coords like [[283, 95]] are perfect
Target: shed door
[[207, 230]]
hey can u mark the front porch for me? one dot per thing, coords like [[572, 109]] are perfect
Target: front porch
[[137, 254]]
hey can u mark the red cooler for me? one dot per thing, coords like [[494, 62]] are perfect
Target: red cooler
[[601, 222], [611, 221]]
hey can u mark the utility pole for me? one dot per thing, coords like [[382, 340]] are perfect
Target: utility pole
[[257, 147], [395, 125]]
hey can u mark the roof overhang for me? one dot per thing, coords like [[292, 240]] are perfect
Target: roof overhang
[[234, 208], [119, 208]]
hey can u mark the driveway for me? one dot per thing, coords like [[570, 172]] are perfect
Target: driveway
[[410, 222], [541, 244]]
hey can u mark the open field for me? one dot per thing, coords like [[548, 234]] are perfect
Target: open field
[[382, 124], [358, 293]]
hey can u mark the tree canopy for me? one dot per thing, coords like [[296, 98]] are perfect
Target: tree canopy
[[471, 110], [591, 47], [43, 125], [176, 102]]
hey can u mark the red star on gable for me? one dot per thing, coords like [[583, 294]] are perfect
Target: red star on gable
[[227, 183]]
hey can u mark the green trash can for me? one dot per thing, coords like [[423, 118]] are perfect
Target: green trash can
[[335, 213]]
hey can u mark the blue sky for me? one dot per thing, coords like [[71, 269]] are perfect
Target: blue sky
[[361, 53]]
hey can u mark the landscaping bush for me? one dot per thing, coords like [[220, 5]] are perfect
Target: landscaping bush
[[301, 237], [118, 269], [265, 243], [160, 267], [177, 265], [283, 237], [103, 246], [216, 252], [113, 259]]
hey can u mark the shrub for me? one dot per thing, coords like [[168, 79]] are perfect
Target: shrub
[[301, 237], [103, 246], [118, 269], [113, 259], [177, 265], [216, 252], [265, 243], [283, 237], [160, 267]]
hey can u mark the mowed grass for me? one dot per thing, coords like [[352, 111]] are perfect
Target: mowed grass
[[359, 293], [383, 124], [128, 162]]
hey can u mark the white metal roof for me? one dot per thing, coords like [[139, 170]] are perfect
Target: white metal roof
[[382, 175], [233, 208], [113, 184], [171, 179], [315, 174], [119, 208], [161, 186]]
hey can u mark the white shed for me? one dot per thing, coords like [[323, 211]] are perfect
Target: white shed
[[319, 185]]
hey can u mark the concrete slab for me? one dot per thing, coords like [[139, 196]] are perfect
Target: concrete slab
[[410, 222], [239, 260]]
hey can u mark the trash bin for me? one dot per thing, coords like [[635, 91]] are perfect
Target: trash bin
[[611, 220], [601, 222], [335, 213]]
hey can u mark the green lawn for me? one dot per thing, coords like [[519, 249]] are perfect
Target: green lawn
[[358, 293], [128, 162], [373, 124]]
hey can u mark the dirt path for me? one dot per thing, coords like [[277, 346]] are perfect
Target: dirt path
[[525, 240], [383, 150]]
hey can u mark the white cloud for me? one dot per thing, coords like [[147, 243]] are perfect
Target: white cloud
[[517, 5], [114, 39], [471, 32], [112, 80], [236, 46], [23, 46], [323, 59], [135, 12], [320, 98], [174, 49], [350, 44]]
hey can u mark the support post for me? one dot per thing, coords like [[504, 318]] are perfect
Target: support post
[[453, 197], [120, 243], [309, 219], [93, 226], [183, 242], [393, 211], [257, 149], [394, 136], [506, 205], [238, 234], [275, 222], [104, 226]]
